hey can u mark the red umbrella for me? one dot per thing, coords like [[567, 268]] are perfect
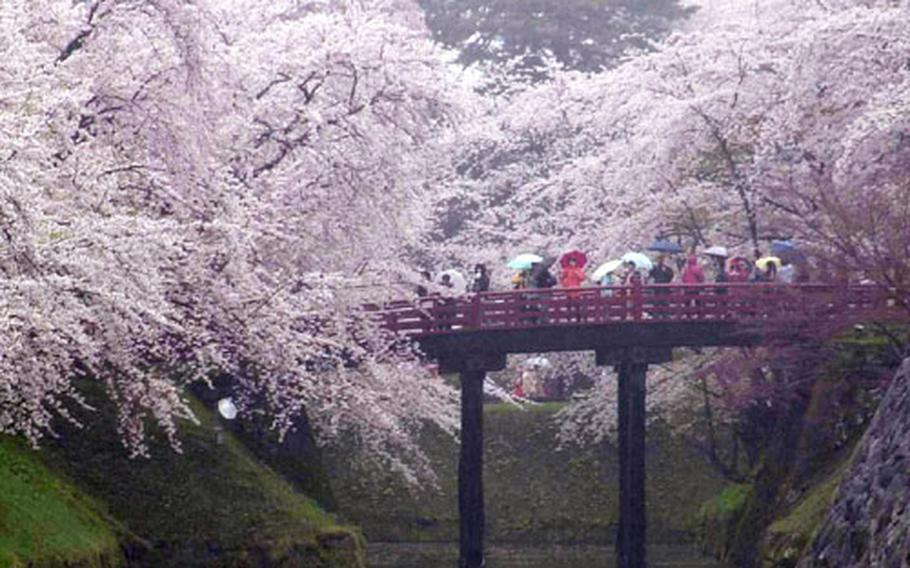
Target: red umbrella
[[581, 259]]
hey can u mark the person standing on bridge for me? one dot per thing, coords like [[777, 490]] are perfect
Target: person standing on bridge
[[693, 273], [739, 269], [572, 274], [481, 281], [661, 274]]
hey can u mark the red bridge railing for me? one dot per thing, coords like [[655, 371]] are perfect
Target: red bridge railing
[[658, 303]]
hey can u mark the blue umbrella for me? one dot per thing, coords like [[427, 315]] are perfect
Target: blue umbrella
[[778, 247], [787, 250], [663, 245]]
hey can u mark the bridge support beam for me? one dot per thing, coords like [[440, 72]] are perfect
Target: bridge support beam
[[630, 538], [632, 367], [473, 371], [470, 472]]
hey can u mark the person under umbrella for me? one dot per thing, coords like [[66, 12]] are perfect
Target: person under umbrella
[[767, 269], [605, 275], [718, 255], [661, 274], [452, 282], [573, 269]]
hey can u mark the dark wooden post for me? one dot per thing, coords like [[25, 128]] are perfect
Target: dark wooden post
[[475, 312], [630, 538], [637, 299], [470, 471], [631, 364]]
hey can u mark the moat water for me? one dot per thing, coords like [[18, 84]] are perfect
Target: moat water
[[444, 555]]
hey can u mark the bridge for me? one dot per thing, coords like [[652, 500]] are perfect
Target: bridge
[[628, 328]]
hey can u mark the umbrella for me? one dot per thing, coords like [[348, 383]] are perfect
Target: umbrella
[[538, 361], [227, 409], [781, 247], [764, 261], [459, 284], [786, 249], [663, 245], [581, 259], [604, 269], [524, 261], [717, 251], [640, 261]]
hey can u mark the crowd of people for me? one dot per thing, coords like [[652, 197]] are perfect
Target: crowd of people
[[668, 265]]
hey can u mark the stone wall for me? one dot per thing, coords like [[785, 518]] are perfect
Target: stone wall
[[869, 524]]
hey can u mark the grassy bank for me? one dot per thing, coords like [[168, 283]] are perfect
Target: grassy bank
[[534, 492], [46, 520], [214, 504]]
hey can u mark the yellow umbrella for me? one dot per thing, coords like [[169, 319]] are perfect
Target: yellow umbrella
[[764, 261]]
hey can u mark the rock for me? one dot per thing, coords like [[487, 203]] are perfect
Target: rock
[[869, 523]]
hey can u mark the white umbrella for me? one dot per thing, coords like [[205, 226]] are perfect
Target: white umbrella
[[604, 269], [538, 361], [227, 409], [641, 261], [459, 284], [717, 251]]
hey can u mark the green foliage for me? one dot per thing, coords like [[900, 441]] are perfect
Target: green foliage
[[729, 502], [806, 516], [45, 520], [587, 35]]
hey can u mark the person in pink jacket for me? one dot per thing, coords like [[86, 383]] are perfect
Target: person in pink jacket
[[693, 273]]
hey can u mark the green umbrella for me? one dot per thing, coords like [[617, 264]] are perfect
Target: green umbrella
[[524, 261]]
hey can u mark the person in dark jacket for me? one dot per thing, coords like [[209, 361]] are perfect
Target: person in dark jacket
[[422, 289], [661, 273], [481, 281], [541, 276]]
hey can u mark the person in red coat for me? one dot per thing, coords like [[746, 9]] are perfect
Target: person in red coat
[[693, 273], [572, 275]]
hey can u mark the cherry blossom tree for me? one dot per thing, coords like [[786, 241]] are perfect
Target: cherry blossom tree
[[668, 140], [788, 121], [216, 186]]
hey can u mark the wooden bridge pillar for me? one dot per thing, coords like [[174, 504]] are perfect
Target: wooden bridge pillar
[[470, 472], [631, 365], [473, 371]]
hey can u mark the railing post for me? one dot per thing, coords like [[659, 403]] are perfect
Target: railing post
[[475, 312], [636, 299]]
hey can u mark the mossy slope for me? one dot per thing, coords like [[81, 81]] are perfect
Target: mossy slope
[[213, 505], [45, 520]]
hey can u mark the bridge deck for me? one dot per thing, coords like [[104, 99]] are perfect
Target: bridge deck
[[660, 315]]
